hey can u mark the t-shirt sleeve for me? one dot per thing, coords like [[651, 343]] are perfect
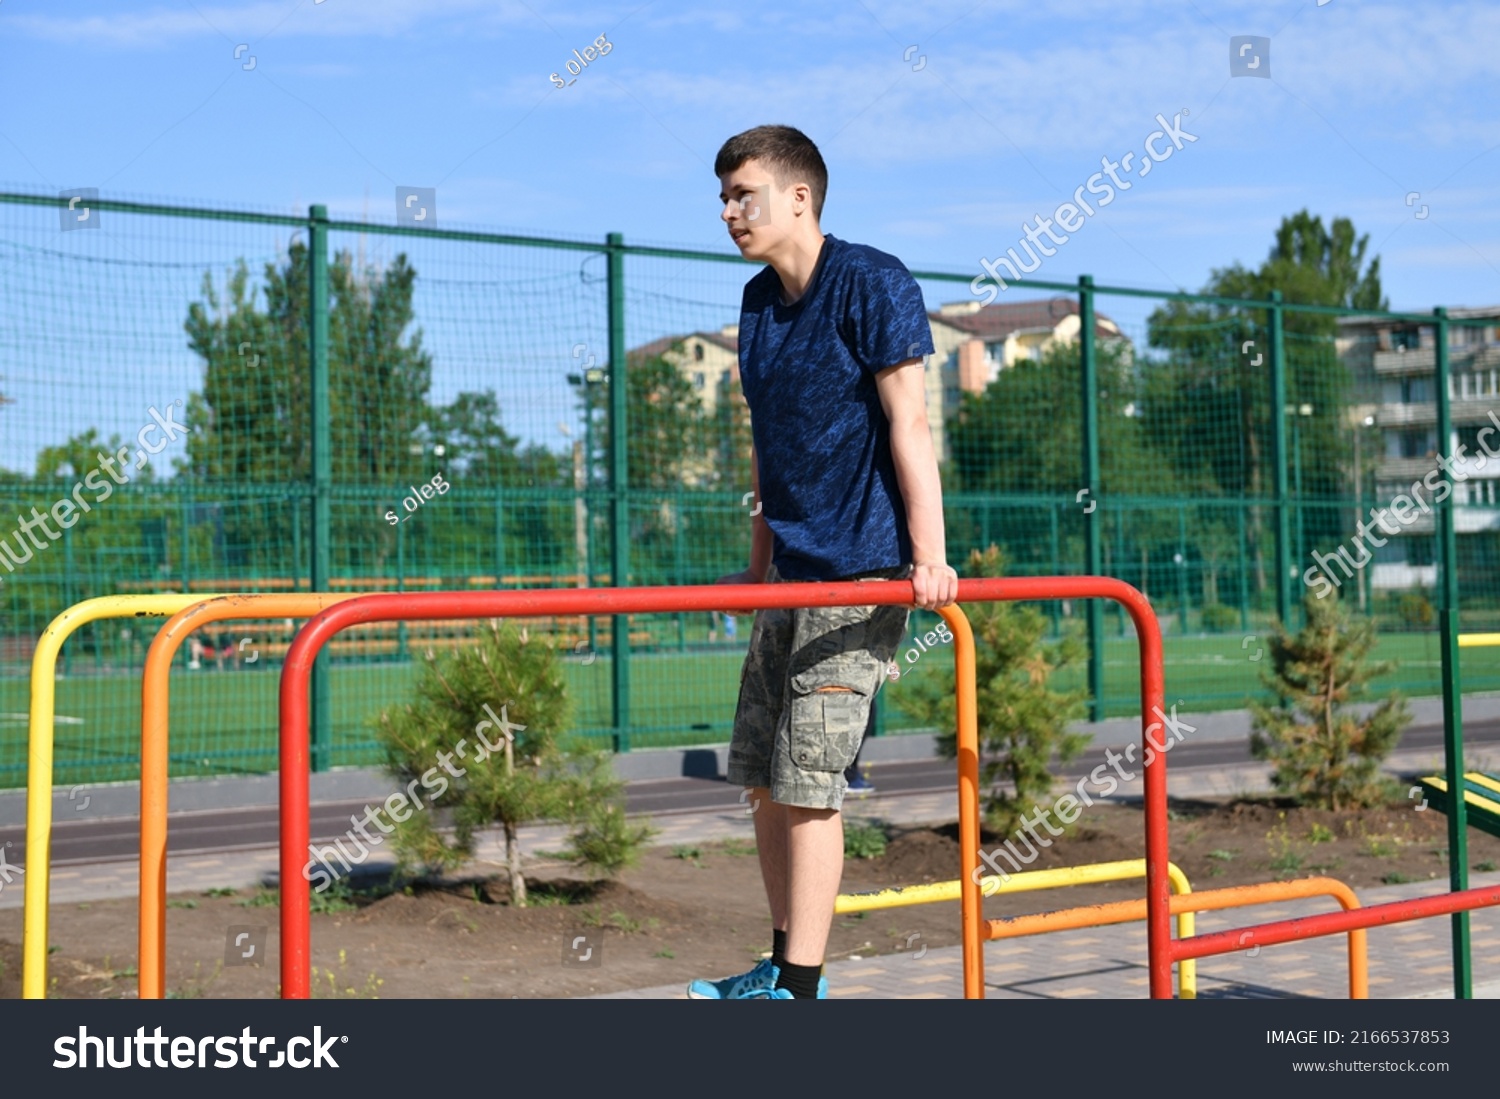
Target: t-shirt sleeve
[[887, 318]]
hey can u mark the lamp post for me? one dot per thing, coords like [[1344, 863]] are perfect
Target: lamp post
[[1363, 586], [1298, 412], [583, 482]]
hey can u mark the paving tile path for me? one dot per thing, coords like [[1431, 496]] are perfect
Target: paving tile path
[[1406, 960]]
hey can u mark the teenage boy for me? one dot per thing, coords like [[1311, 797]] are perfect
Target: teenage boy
[[831, 341]]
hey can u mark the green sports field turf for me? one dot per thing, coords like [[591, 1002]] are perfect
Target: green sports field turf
[[225, 722]]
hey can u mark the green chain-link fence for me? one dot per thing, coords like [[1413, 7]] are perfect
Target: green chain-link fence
[[359, 407]]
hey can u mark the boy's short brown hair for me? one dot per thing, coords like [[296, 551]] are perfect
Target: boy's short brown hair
[[787, 153]]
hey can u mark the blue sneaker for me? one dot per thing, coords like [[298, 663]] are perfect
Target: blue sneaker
[[757, 982], [786, 993]]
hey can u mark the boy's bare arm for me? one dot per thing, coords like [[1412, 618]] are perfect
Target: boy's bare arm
[[903, 396], [762, 542]]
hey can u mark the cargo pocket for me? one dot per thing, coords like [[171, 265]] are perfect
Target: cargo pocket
[[826, 728]]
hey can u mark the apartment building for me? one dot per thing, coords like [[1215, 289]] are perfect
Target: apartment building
[[1394, 420]]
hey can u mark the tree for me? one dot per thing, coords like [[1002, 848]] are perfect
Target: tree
[[518, 771], [1022, 436], [252, 421], [1023, 720], [669, 452], [1324, 755], [666, 444], [1024, 432], [92, 552], [1208, 401]]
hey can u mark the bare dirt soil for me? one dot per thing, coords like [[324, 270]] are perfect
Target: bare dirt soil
[[690, 912]]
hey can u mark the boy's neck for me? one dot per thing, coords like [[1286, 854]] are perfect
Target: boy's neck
[[796, 263]]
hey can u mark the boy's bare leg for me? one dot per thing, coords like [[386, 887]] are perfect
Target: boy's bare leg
[[771, 847], [815, 866]]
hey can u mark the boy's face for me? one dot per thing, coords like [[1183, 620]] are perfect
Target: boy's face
[[756, 210]]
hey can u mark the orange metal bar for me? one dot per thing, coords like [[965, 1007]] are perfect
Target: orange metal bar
[[1211, 900], [155, 687], [971, 897]]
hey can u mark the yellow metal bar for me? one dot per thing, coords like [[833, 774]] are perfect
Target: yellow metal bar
[[1028, 881], [39, 760], [1477, 640], [1187, 968]]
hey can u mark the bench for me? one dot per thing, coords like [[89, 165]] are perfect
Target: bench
[[272, 638], [1481, 799]]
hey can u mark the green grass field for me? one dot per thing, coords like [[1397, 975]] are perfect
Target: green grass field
[[225, 722]]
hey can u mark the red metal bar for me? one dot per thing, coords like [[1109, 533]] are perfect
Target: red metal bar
[[294, 784], [1331, 923]]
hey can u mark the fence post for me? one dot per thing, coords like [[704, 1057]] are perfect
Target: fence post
[[321, 542], [1278, 461], [185, 539], [619, 484], [1093, 517], [1453, 745]]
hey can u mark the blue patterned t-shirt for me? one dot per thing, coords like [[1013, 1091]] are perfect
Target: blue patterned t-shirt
[[827, 481]]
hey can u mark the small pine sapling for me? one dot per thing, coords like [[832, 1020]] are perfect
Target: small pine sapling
[[1323, 753], [484, 738]]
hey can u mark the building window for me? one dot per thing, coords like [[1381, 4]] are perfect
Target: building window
[[1419, 551], [1416, 442], [698, 379], [698, 352]]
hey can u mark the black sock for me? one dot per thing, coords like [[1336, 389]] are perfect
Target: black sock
[[800, 980], [778, 947]]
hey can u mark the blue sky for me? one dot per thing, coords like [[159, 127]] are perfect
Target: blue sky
[[944, 125]]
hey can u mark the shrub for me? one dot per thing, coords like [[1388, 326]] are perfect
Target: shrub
[[1416, 610], [864, 840], [1322, 754], [1217, 618]]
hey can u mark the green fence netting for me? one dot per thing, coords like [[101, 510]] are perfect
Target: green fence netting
[[162, 425]]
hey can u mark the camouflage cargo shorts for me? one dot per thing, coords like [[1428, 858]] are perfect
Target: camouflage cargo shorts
[[791, 734]]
